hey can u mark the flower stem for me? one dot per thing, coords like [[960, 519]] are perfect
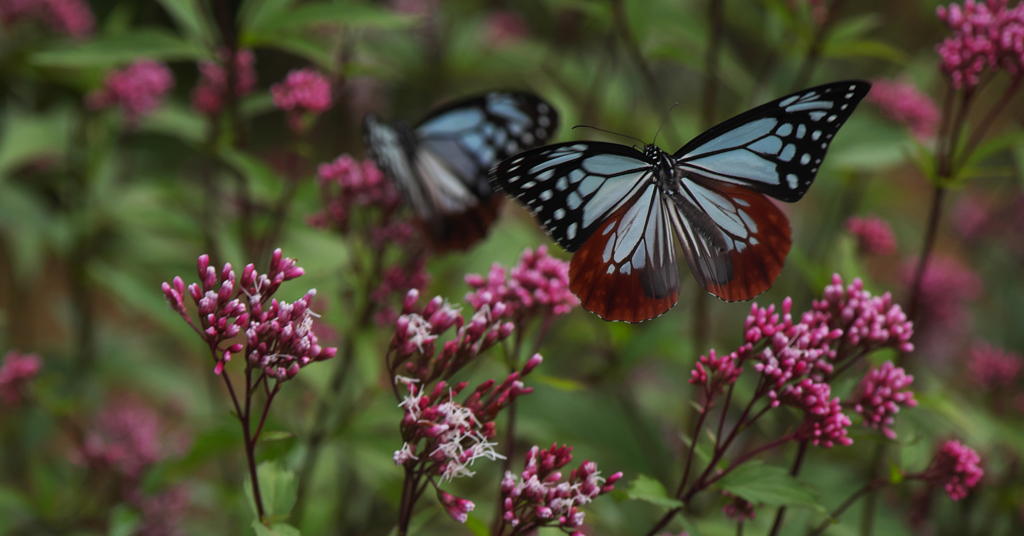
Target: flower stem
[[926, 251], [867, 488], [780, 516]]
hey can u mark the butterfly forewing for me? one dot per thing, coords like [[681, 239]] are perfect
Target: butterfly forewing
[[571, 188], [441, 165], [776, 148]]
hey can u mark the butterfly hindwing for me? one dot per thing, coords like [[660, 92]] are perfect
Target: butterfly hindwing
[[735, 240], [776, 148], [627, 269], [572, 187]]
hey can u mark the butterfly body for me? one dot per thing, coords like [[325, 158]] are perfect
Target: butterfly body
[[441, 164], [617, 208]]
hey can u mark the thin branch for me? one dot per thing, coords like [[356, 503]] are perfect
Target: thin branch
[[868, 488]]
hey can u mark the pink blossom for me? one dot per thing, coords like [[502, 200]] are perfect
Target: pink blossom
[[278, 335], [738, 508], [208, 95], [992, 367], [138, 89], [880, 394], [504, 27], [456, 507], [413, 353], [906, 104], [824, 423], [539, 497], [874, 236], [69, 17], [946, 288], [128, 436], [538, 284], [15, 373], [716, 371], [302, 91], [985, 34], [163, 513], [955, 467]]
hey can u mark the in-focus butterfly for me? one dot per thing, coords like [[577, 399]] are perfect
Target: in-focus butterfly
[[441, 165], [617, 208]]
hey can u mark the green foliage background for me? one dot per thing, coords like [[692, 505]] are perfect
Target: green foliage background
[[95, 214]]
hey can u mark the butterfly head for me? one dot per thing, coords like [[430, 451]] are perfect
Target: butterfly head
[[662, 161]]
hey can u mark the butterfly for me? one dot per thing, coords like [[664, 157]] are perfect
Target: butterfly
[[616, 208], [441, 165]]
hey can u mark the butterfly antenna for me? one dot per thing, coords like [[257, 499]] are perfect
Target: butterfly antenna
[[663, 121], [609, 132]]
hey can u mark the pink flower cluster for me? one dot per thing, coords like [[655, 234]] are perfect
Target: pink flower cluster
[[302, 91], [991, 367], [345, 183], [456, 507], [906, 104], [539, 284], [797, 359], [985, 34], [505, 27], [738, 508], [208, 95], [163, 513], [443, 437], [880, 394], [279, 339], [69, 17], [540, 498], [137, 89], [873, 234], [413, 351], [955, 467], [126, 436], [15, 373], [946, 287], [398, 279]]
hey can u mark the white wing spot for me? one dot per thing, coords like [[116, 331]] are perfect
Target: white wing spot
[[576, 175], [816, 116], [791, 180], [546, 175], [803, 160], [607, 254], [528, 185], [562, 183], [546, 195], [843, 107], [832, 118], [574, 201], [527, 138], [800, 131], [513, 179], [849, 95], [543, 108], [571, 231], [544, 121], [788, 101], [511, 147], [824, 145], [590, 185], [559, 213], [815, 135], [788, 153], [785, 130]]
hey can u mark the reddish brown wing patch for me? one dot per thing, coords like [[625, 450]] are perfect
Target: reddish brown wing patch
[[612, 293], [756, 260], [457, 232]]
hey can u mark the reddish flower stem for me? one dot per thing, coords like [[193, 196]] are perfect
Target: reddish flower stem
[[867, 488]]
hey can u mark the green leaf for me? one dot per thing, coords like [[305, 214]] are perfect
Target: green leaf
[[774, 486], [319, 53], [152, 43], [279, 529], [176, 120], [855, 28], [258, 13], [264, 183], [993, 146], [190, 18], [647, 489], [347, 14], [123, 521], [278, 488], [27, 137], [562, 384], [276, 435], [864, 48]]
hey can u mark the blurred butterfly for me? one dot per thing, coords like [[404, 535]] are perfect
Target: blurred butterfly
[[617, 207], [441, 165]]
